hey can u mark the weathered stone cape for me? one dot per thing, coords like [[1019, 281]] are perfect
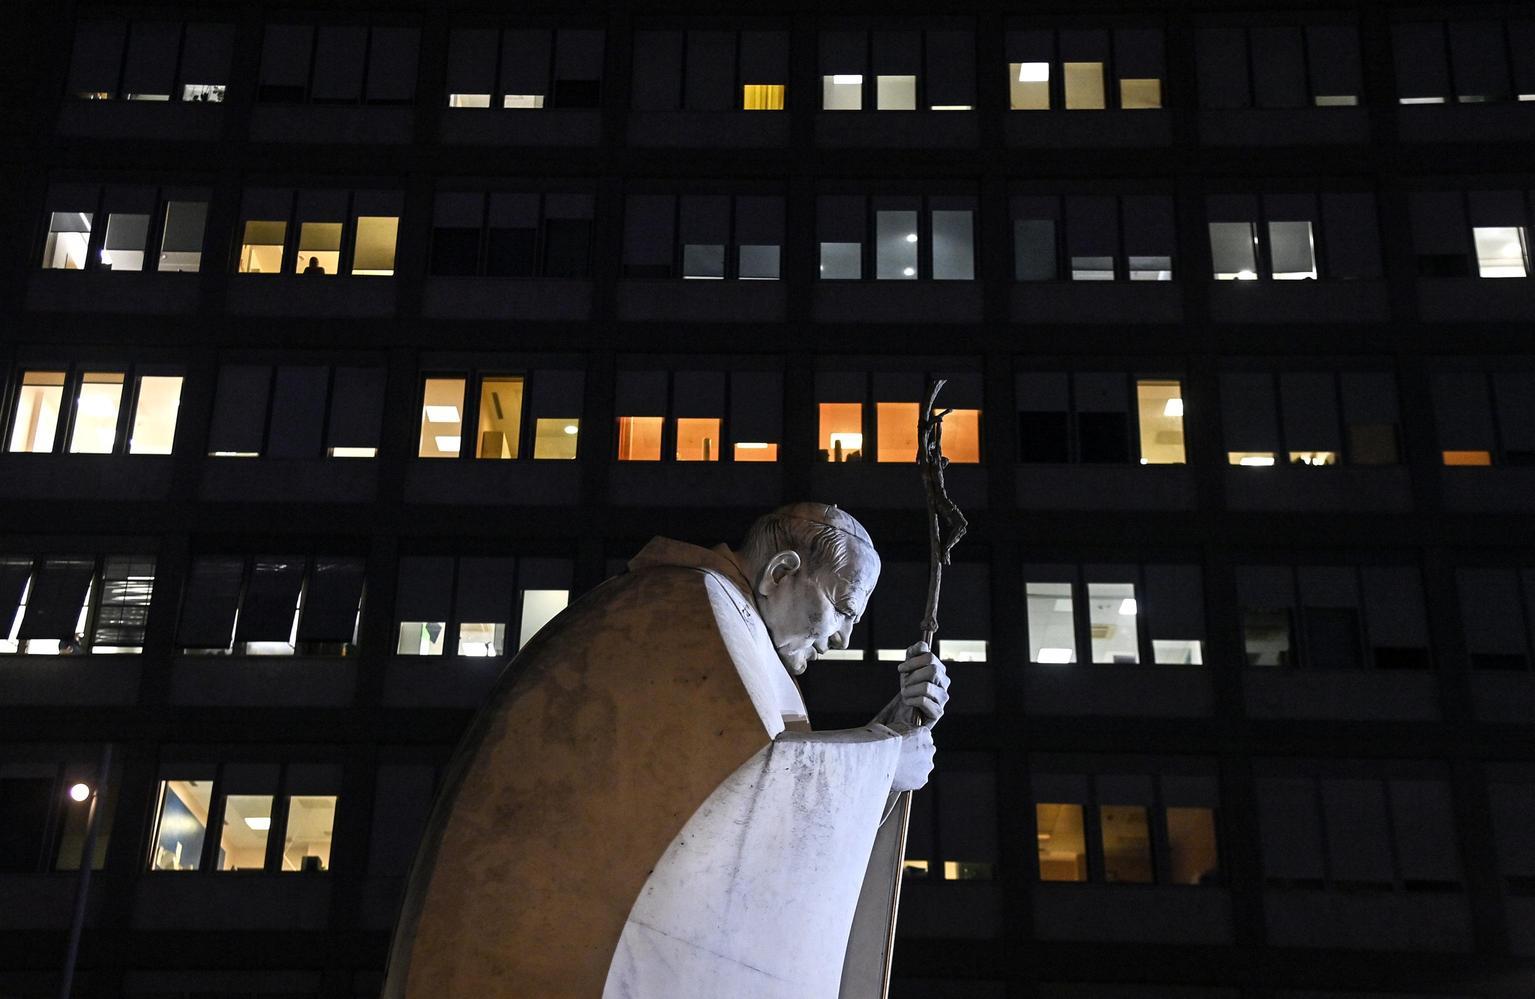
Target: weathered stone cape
[[641, 811]]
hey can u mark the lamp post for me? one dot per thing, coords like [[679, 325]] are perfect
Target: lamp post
[[82, 792]]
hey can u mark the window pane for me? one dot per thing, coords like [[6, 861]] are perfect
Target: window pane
[[181, 247], [756, 451], [36, 419], [1502, 251], [182, 821], [962, 436], [485, 639], [841, 261], [639, 438], [1192, 856], [759, 263], [154, 417], [1052, 625], [1151, 268], [374, 254], [895, 245], [1140, 93], [703, 261], [1084, 85], [841, 435], [247, 822], [1112, 616], [306, 844], [261, 247], [1028, 85], [1294, 255], [127, 585], [539, 607], [762, 97], [698, 439], [96, 411], [442, 419], [1234, 251], [1034, 250], [1062, 845], [1266, 637], [953, 246], [842, 92], [319, 248], [1126, 844], [124, 247], [895, 93], [69, 236], [421, 638], [1160, 406], [555, 438], [897, 430], [1177, 652], [500, 417]]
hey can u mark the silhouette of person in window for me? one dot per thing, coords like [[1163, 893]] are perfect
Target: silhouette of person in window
[[313, 267]]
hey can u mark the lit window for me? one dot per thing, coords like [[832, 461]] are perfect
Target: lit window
[[442, 419], [203, 93], [421, 638], [468, 100], [1151, 268], [895, 241], [704, 261], [1316, 458], [181, 246], [1193, 858], [555, 438], [759, 262], [522, 101], [1338, 101], [306, 842], [36, 418], [698, 439], [1112, 615], [842, 92], [841, 261], [154, 415], [953, 245], [1126, 844], [1029, 86], [481, 639], [319, 248], [374, 254], [756, 451], [1251, 459], [1502, 252], [1160, 405], [96, 410], [1084, 85], [895, 93], [841, 435], [1177, 652], [961, 650], [962, 436], [897, 434], [539, 607], [124, 247], [1464, 458], [1134, 94], [639, 438], [1062, 845], [1052, 624], [247, 824], [1267, 637], [1234, 251], [1293, 251], [261, 247], [181, 823], [762, 97], [500, 418], [69, 237], [127, 584]]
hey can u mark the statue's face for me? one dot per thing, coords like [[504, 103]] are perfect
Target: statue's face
[[809, 609]]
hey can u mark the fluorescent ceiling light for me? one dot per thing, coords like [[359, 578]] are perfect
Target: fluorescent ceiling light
[[1055, 655], [445, 443], [260, 823], [1258, 460], [572, 429], [909, 271], [1174, 407], [1127, 607], [911, 237], [1246, 276], [441, 414], [847, 79], [1033, 72], [752, 446]]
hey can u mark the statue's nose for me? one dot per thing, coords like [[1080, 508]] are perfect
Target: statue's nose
[[840, 639]]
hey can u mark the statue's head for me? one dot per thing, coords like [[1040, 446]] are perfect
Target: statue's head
[[812, 567]]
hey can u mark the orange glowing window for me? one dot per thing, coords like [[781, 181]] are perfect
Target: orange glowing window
[[841, 437], [1468, 457], [698, 439], [897, 430], [962, 436], [756, 451], [639, 438]]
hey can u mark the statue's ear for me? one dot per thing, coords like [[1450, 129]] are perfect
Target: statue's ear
[[783, 564]]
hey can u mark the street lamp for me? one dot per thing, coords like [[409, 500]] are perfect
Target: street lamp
[[80, 793]]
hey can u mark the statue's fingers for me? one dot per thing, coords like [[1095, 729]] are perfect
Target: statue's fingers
[[917, 649], [919, 661], [919, 673]]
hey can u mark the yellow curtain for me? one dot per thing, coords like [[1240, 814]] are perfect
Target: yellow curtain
[[763, 97]]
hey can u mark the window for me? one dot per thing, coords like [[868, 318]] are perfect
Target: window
[[110, 412], [875, 417], [296, 411], [475, 606], [1343, 831], [1127, 828], [899, 601], [271, 605], [535, 414], [1085, 69], [137, 219], [952, 831], [1093, 238], [703, 236], [1310, 418], [1497, 614], [70, 605], [699, 415], [1099, 418], [1333, 617], [316, 233], [897, 70], [1294, 237], [1466, 62], [1486, 233], [710, 70], [1485, 418], [896, 238], [246, 803], [338, 64], [1133, 614], [524, 69], [504, 234], [150, 61], [1279, 66], [42, 828]]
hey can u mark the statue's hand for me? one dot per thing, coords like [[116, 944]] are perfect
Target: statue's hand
[[924, 683], [916, 760]]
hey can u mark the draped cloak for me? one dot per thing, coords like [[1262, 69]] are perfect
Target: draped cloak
[[640, 811]]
